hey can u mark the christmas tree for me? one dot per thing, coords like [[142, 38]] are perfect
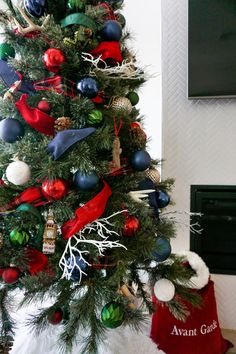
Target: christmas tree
[[81, 199]]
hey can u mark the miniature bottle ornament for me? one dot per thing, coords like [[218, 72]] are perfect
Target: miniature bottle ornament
[[36, 8], [140, 160], [19, 238], [85, 182], [163, 250], [56, 317], [113, 314], [11, 275], [88, 87], [163, 199], [11, 130], [18, 173], [112, 31], [6, 51], [54, 189], [49, 235], [53, 58], [44, 106], [164, 290]]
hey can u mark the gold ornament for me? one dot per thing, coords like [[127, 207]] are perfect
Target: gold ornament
[[153, 175], [49, 235], [120, 105], [62, 123]]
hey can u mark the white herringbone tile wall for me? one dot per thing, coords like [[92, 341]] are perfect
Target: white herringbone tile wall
[[199, 138]]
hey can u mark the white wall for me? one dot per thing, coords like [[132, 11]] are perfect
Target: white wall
[[198, 138]]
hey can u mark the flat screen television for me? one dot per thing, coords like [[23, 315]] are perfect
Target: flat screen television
[[212, 49]]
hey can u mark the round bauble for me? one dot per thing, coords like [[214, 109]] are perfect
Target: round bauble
[[56, 317], [163, 199], [6, 51], [54, 189], [94, 117], [112, 31], [76, 5], [36, 8], [154, 175], [131, 226], [44, 106], [85, 182], [53, 58], [11, 275], [121, 105], [164, 290], [115, 2], [140, 160], [76, 267], [163, 250], [19, 237], [133, 97], [121, 19], [88, 87], [113, 314], [18, 173], [11, 130]]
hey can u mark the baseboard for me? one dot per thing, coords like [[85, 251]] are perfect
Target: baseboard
[[230, 334]]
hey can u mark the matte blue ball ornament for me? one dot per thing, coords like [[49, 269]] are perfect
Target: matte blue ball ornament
[[11, 130], [36, 8], [75, 265], [140, 160], [163, 250], [88, 87], [112, 31], [85, 182], [163, 199]]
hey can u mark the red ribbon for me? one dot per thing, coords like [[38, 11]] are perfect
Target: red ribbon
[[87, 213], [108, 51], [37, 119], [58, 84]]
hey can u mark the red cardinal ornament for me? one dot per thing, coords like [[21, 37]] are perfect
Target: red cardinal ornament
[[56, 317], [131, 226], [54, 189], [11, 275]]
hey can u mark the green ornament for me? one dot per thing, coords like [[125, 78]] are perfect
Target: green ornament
[[112, 314], [77, 5], [133, 97], [6, 51], [19, 237], [94, 117]]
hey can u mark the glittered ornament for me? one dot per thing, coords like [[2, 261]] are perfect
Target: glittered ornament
[[54, 189], [11, 130], [19, 237], [76, 5], [44, 106], [112, 31], [56, 317], [131, 226], [85, 182], [163, 249], [154, 175], [94, 117], [53, 58], [36, 8], [121, 105], [6, 51], [164, 290], [133, 97], [88, 87], [75, 265], [163, 199], [11, 275], [18, 173], [113, 314], [140, 160]]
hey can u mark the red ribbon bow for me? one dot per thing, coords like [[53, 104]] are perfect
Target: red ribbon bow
[[57, 83]]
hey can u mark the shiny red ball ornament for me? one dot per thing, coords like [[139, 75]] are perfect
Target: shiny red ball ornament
[[11, 275], [56, 317], [53, 58], [37, 261], [54, 189], [44, 106], [131, 226]]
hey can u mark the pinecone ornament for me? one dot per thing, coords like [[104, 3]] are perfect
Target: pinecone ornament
[[138, 136], [62, 123]]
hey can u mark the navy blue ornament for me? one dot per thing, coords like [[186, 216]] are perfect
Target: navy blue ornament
[[140, 160], [36, 8], [145, 184], [112, 31], [74, 265], [85, 182], [88, 87], [11, 130], [163, 199], [163, 250]]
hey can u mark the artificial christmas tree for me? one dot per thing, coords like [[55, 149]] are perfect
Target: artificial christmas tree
[[76, 177]]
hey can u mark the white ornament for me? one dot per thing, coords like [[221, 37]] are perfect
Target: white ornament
[[164, 290], [18, 173]]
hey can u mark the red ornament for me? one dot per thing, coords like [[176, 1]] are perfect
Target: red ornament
[[56, 317], [54, 189], [11, 275], [131, 226], [37, 261], [44, 106], [53, 59]]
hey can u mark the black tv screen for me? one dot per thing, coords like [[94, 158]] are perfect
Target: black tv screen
[[212, 48]]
